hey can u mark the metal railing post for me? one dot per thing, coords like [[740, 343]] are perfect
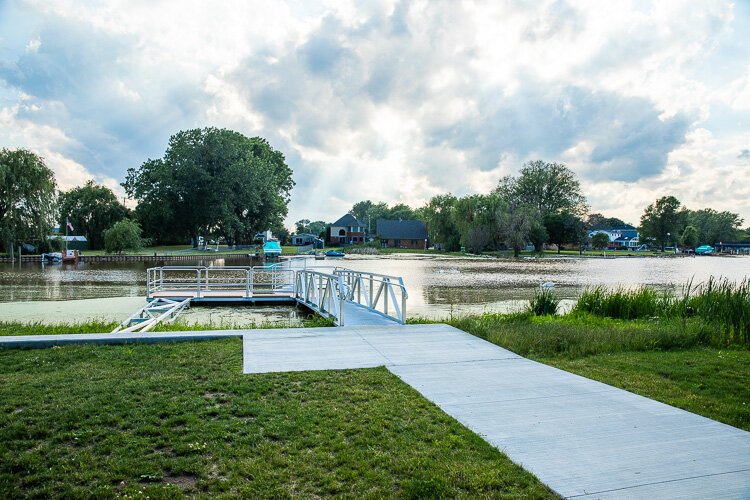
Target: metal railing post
[[403, 303], [385, 296], [341, 301]]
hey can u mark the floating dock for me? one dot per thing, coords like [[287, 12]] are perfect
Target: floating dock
[[345, 296]]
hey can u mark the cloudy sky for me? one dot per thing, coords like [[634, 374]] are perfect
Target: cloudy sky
[[394, 100]]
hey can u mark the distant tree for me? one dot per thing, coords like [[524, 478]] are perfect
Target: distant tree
[[305, 226], [281, 232], [514, 224], [546, 187], [538, 235], [477, 239], [369, 213], [598, 221], [689, 237], [662, 220], [301, 225], [600, 241], [211, 181], [563, 228], [713, 226], [441, 225], [91, 209], [401, 211], [27, 198], [122, 236], [470, 212]]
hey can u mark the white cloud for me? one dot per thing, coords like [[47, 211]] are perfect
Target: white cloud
[[33, 45], [397, 101]]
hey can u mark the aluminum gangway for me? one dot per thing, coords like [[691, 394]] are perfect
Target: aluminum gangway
[[343, 295]]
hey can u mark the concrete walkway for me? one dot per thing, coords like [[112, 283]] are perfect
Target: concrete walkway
[[582, 438]]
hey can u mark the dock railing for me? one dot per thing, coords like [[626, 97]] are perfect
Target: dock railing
[[322, 293], [380, 293], [202, 280]]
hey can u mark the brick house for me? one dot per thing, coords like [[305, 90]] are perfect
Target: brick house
[[402, 234], [347, 231]]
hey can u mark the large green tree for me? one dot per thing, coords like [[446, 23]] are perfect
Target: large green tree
[[122, 236], [662, 221], [713, 226], [91, 210], [598, 221], [515, 223], [441, 224], [211, 182], [477, 211], [564, 228], [27, 197], [546, 187]]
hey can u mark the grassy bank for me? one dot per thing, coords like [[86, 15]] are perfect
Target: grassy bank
[[169, 420], [13, 328]]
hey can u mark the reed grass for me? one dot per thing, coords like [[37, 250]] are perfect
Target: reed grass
[[722, 305], [544, 303]]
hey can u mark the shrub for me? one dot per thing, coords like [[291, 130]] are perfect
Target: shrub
[[123, 235], [544, 303]]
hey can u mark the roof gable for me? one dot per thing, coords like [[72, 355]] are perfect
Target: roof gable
[[348, 220]]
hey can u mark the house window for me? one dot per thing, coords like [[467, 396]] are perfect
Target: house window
[[342, 232]]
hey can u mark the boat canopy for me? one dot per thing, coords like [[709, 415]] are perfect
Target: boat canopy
[[272, 248]]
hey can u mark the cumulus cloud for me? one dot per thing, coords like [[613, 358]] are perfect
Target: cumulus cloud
[[392, 100]]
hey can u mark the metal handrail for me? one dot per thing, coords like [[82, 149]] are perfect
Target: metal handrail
[[322, 293], [372, 287], [249, 279]]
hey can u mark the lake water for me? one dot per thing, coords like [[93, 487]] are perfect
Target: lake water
[[437, 286]]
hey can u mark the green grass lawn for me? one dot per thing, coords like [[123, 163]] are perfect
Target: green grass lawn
[[167, 420]]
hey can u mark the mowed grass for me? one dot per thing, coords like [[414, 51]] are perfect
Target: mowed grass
[[665, 360], [15, 328], [167, 420]]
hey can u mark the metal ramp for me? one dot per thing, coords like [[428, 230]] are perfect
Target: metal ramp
[[154, 312]]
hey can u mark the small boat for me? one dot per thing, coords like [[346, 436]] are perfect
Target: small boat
[[271, 249], [52, 257], [704, 250], [334, 253], [70, 256]]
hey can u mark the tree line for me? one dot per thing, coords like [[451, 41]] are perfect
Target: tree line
[[219, 184], [211, 182], [544, 204]]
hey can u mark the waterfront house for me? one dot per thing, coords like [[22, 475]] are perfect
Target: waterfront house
[[305, 239], [625, 238], [402, 234], [347, 231]]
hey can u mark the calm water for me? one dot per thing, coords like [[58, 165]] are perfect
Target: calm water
[[437, 286]]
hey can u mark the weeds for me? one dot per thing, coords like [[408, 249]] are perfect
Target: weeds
[[544, 303], [723, 306]]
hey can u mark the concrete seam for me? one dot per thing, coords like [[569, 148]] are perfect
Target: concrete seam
[[659, 482]]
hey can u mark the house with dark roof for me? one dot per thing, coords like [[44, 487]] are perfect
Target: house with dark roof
[[625, 238], [402, 234], [347, 231]]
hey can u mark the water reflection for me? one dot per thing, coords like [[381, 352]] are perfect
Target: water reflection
[[437, 286]]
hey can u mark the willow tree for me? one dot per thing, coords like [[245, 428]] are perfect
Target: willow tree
[[91, 209], [27, 197], [211, 182]]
